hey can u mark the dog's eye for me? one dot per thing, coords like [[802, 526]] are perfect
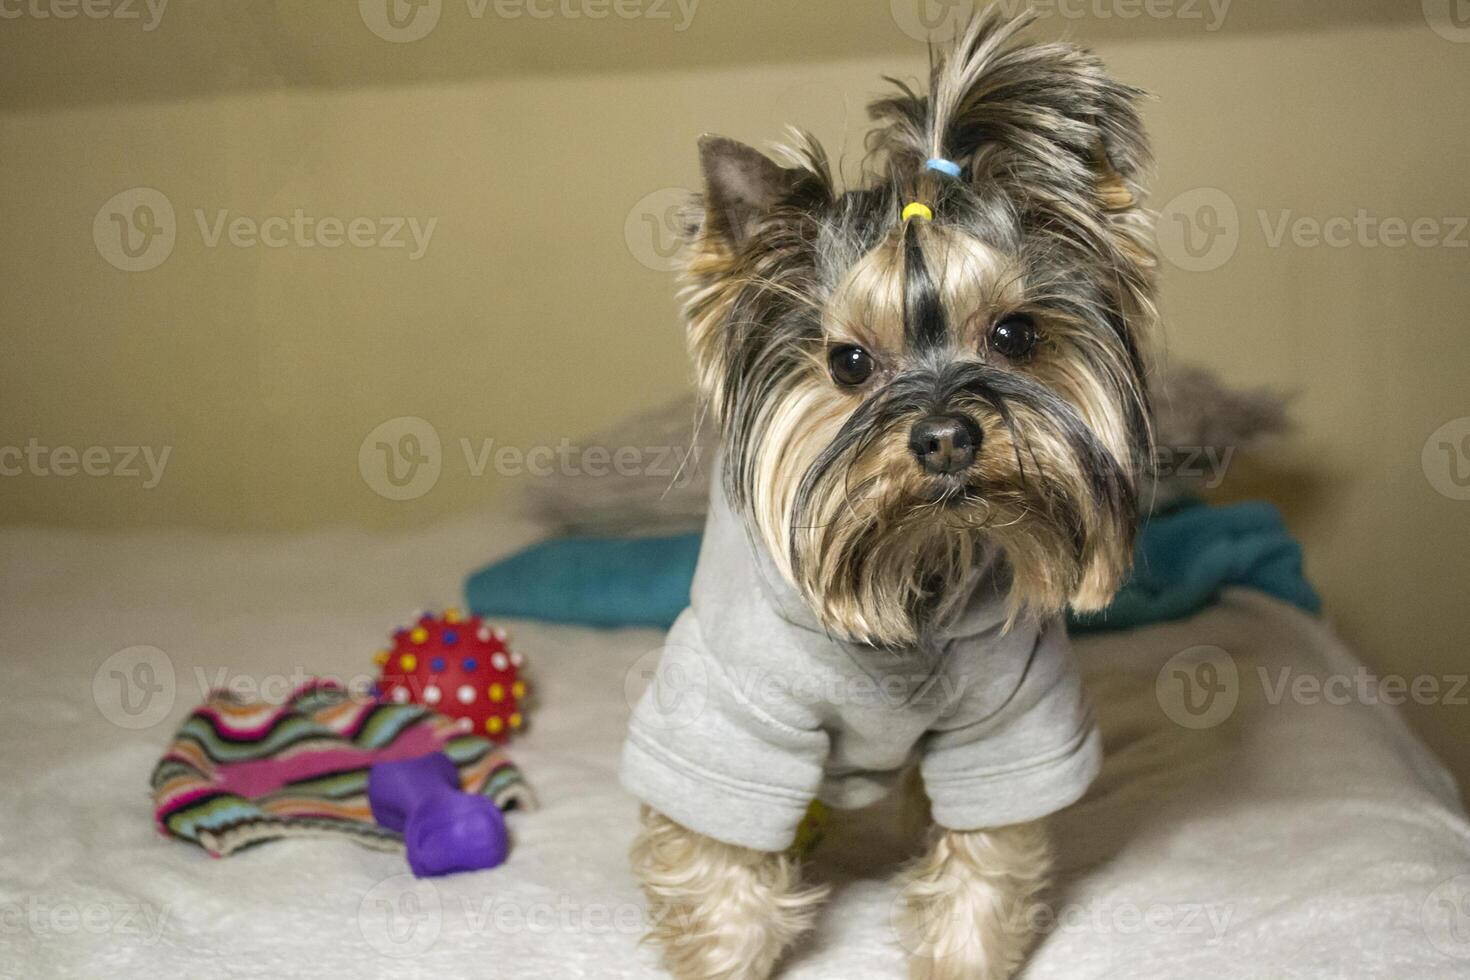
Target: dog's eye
[[850, 365], [1014, 337]]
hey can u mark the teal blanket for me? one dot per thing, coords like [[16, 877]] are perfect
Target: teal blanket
[[1184, 557], [1187, 554]]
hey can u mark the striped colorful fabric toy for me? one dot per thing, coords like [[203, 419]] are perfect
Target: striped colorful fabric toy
[[242, 772]]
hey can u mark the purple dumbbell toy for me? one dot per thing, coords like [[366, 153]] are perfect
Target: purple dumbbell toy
[[444, 829]]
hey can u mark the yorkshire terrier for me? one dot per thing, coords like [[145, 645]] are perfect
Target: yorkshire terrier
[[930, 392]]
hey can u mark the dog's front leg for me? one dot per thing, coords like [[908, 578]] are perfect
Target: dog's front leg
[[968, 903], [718, 912]]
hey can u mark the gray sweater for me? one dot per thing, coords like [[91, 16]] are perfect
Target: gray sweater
[[755, 710]]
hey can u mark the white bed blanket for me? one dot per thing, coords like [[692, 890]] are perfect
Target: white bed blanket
[[1294, 835]]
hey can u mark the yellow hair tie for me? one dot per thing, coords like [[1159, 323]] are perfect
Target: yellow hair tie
[[915, 208]]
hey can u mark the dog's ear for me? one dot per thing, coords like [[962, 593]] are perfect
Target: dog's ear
[[750, 243], [742, 186]]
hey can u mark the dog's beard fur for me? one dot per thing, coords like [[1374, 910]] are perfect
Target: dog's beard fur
[[883, 551], [1045, 221]]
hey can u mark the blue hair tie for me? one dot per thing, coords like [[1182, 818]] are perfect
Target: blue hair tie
[[944, 166]]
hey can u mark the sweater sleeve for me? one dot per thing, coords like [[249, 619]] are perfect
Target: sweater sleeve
[[702, 751]]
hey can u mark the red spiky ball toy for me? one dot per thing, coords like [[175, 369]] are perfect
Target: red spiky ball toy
[[460, 667]]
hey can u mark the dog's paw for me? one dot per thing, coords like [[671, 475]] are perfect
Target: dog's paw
[[719, 912], [965, 910]]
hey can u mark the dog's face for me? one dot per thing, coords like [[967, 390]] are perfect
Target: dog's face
[[900, 398]]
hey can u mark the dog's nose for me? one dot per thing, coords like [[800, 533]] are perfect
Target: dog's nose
[[944, 443]]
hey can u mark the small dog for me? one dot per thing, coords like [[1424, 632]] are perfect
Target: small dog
[[931, 397]]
